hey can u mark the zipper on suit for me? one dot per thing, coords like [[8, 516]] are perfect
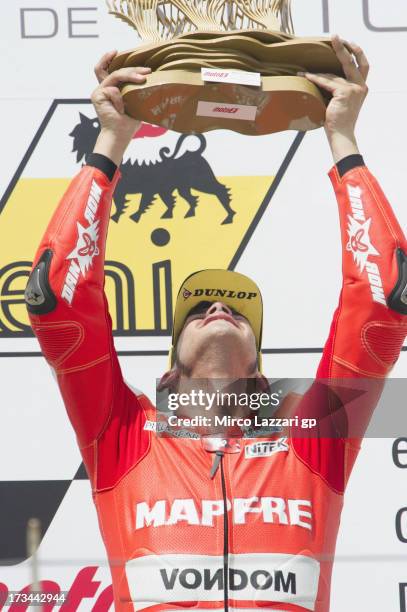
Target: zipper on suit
[[218, 462], [223, 447]]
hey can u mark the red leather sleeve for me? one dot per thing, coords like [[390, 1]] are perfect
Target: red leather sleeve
[[76, 334], [366, 335]]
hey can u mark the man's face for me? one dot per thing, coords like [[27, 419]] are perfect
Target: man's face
[[215, 330]]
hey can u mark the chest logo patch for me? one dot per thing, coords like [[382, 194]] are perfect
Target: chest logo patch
[[266, 448]]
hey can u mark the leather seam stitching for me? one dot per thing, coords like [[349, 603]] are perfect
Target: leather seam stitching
[[383, 324], [354, 368], [61, 325], [315, 472], [109, 488], [84, 366]]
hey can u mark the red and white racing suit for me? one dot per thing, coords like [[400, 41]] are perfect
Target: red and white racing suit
[[260, 534]]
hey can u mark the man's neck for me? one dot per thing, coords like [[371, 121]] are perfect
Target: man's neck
[[215, 368]]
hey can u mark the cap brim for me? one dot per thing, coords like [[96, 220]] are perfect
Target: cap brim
[[232, 288]]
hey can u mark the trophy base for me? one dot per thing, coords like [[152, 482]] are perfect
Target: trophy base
[[180, 101]]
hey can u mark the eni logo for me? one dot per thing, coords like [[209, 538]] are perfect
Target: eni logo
[[172, 214]]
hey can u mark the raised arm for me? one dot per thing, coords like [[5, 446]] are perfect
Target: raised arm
[[65, 293], [370, 323]]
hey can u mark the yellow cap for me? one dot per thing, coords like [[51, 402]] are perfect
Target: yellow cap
[[233, 289]]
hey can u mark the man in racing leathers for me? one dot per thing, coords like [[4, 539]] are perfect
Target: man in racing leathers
[[253, 534]]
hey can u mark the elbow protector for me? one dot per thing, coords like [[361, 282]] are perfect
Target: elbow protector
[[38, 294], [397, 299]]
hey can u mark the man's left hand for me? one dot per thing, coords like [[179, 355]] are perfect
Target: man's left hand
[[348, 94]]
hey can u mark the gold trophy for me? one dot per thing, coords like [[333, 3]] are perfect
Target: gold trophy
[[223, 64]]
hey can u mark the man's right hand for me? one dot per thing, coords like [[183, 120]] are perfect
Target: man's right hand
[[117, 128]]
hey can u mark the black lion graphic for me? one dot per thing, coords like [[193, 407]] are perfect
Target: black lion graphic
[[188, 171]]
